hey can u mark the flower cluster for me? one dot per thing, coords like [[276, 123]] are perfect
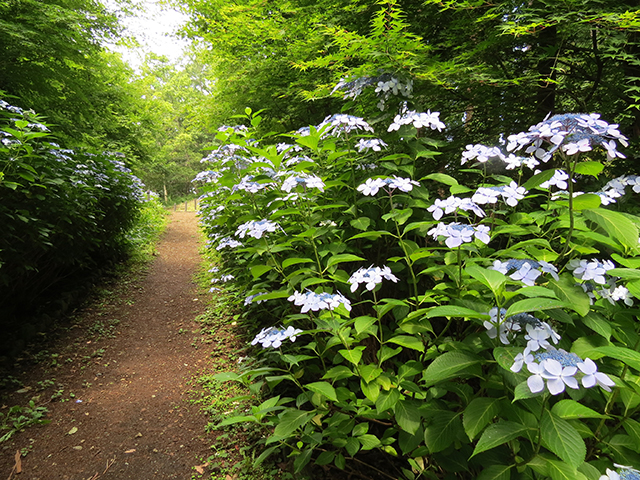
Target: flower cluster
[[582, 132], [525, 270], [452, 204], [319, 301], [273, 336], [418, 120], [256, 228], [373, 185], [371, 277], [248, 185], [559, 369], [374, 144], [559, 180], [623, 473], [343, 123], [457, 233], [228, 242], [591, 269], [538, 332], [307, 180], [511, 194]]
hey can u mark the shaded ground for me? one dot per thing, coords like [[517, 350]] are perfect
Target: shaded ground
[[120, 410]]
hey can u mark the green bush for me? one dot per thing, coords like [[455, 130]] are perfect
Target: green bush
[[65, 213], [478, 329]]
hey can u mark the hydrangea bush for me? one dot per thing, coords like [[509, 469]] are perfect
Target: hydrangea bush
[[63, 211], [483, 330]]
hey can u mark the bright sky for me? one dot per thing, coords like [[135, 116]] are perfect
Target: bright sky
[[154, 30]]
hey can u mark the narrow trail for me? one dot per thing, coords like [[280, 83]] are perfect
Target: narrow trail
[[126, 414]]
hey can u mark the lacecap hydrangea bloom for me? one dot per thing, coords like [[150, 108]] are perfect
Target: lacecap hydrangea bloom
[[525, 270], [256, 228], [458, 233], [373, 185], [623, 473], [304, 179], [371, 277], [557, 369], [319, 301], [273, 336]]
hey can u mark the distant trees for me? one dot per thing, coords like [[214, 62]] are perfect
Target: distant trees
[[467, 58]]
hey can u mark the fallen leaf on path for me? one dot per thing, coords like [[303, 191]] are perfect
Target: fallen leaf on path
[[229, 477], [72, 431], [200, 468], [130, 451], [18, 459]]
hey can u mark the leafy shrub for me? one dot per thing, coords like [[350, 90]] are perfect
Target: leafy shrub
[[64, 213], [465, 329]]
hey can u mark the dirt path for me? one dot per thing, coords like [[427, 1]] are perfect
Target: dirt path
[[126, 414]]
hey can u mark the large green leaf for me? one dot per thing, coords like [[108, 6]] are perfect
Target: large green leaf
[[290, 421], [530, 305], [407, 415], [567, 290], [441, 431], [562, 439], [626, 355], [571, 410], [455, 311], [354, 355], [342, 258], [562, 471], [323, 388], [616, 225], [450, 365], [497, 434], [478, 414], [408, 341], [492, 279], [495, 472]]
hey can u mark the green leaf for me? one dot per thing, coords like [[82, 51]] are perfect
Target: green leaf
[[294, 261], [449, 365], [455, 311], [368, 441], [362, 323], [598, 324], [290, 421], [387, 400], [562, 439], [492, 279], [301, 460], [589, 168], [325, 458], [587, 200], [442, 178], [522, 392], [368, 373], [495, 472], [567, 291], [361, 223], [338, 373], [354, 355], [539, 178], [534, 305], [626, 355], [498, 434], [323, 388], [258, 270], [617, 226], [442, 431], [407, 415], [478, 414], [408, 341], [572, 410], [343, 258], [562, 471], [625, 273]]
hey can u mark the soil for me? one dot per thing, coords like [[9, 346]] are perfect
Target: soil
[[122, 380]]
